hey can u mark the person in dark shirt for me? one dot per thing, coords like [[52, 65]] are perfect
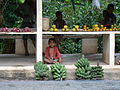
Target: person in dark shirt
[[27, 11], [59, 22], [109, 17]]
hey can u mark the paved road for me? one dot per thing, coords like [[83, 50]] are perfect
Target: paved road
[[60, 85]]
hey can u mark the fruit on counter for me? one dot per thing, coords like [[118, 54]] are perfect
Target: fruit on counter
[[53, 29], [54, 26], [76, 28], [65, 28], [115, 27], [4, 29], [26, 29], [15, 30], [85, 28], [95, 27]]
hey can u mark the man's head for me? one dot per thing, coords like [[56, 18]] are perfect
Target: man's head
[[52, 42], [59, 14], [110, 8]]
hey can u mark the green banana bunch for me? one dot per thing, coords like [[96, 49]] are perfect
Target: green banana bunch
[[83, 73], [97, 72], [82, 62], [83, 69], [58, 71], [41, 71]]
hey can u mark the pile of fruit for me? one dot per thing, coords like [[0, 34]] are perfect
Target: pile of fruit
[[53, 29], [85, 71], [41, 71], [97, 72], [65, 29], [58, 71], [95, 27], [76, 29], [26, 29]]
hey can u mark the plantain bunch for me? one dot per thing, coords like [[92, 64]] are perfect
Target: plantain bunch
[[41, 71], [58, 71], [82, 62], [97, 73], [83, 69]]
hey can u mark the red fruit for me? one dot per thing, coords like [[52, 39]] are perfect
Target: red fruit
[[15, 30], [4, 30], [26, 29], [18, 30]]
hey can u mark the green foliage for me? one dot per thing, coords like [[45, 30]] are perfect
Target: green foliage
[[71, 46], [117, 12], [58, 71], [97, 73], [83, 15], [41, 71], [84, 71], [10, 19]]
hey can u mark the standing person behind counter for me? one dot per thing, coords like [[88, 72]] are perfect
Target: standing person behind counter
[[59, 22], [27, 11], [109, 17]]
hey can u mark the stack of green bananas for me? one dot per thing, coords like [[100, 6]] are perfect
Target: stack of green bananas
[[41, 71], [58, 71], [83, 69], [83, 73], [97, 72], [82, 62]]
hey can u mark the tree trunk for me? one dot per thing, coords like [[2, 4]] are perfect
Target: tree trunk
[[96, 4]]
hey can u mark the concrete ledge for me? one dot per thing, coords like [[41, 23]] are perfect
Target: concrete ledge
[[27, 72]]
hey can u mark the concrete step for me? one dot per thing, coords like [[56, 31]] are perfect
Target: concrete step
[[27, 72]]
